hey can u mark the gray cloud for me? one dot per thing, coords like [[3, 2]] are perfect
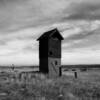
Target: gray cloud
[[30, 48], [84, 10], [20, 14], [3, 42], [91, 39], [81, 35]]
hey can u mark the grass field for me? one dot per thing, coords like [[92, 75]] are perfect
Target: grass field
[[85, 87]]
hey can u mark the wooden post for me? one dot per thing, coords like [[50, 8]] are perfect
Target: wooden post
[[75, 74], [60, 71]]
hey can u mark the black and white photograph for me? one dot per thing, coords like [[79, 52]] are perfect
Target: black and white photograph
[[49, 49]]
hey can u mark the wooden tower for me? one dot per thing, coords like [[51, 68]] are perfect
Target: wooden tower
[[50, 52]]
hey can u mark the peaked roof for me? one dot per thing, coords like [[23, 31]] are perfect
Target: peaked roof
[[48, 34]]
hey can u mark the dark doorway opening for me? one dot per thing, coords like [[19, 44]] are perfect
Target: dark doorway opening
[[56, 63]]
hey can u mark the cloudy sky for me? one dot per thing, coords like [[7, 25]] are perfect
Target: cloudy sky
[[23, 21]]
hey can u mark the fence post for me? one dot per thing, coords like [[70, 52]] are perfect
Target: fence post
[[60, 71], [75, 74]]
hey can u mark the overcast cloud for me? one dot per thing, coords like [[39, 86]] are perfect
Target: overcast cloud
[[23, 21]]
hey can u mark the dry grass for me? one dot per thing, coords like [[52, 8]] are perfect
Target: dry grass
[[63, 88]]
